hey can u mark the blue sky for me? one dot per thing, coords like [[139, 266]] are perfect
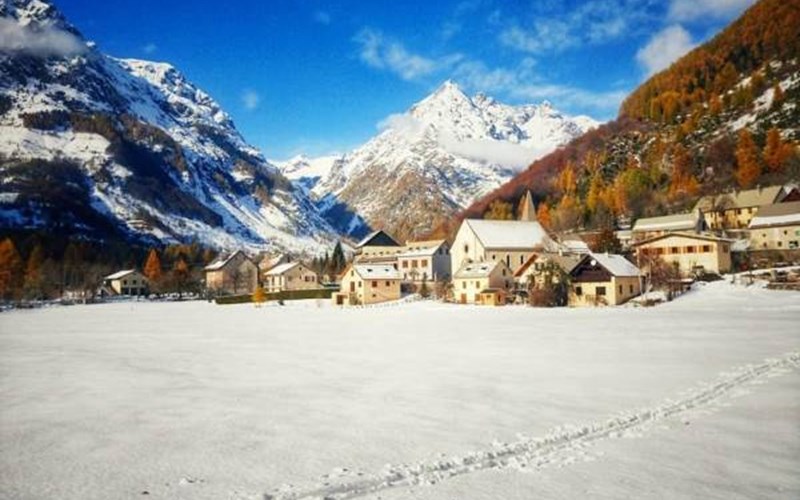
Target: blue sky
[[317, 77]]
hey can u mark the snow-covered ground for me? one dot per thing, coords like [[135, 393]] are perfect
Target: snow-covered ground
[[698, 398]]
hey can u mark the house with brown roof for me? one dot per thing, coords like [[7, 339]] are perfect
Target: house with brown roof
[[689, 252], [776, 227], [232, 274], [603, 279], [734, 211]]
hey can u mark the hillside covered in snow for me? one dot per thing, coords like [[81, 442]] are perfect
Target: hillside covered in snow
[[110, 148]]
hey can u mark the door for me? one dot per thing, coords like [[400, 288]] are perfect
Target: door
[[463, 298], [352, 287]]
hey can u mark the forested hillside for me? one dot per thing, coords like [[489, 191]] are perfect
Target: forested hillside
[[724, 116]]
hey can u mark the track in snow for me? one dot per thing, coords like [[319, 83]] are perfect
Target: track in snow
[[531, 452]]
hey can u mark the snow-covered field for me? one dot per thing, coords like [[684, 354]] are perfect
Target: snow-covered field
[[699, 398]]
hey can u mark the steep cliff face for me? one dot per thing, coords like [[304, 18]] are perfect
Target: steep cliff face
[[106, 147]]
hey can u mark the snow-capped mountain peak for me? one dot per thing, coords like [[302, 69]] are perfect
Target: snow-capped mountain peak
[[443, 153]]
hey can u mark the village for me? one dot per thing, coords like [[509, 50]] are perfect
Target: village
[[498, 262]]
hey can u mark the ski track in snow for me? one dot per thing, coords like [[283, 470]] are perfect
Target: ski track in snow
[[531, 453]]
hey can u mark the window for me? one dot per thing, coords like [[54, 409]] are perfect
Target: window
[[413, 263], [508, 260], [494, 257], [464, 284], [359, 284], [405, 264], [466, 248], [477, 284], [424, 262], [578, 291], [780, 243], [374, 284], [706, 248], [600, 291], [504, 272], [124, 282], [725, 249], [387, 284], [631, 288], [620, 289], [674, 250], [521, 259], [691, 249]]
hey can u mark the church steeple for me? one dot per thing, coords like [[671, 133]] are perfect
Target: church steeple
[[527, 210]]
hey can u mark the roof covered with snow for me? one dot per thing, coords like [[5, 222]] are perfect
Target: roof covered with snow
[[509, 233], [282, 268], [675, 222], [615, 264], [693, 236], [476, 269], [421, 248], [222, 261], [377, 271], [779, 214], [120, 274]]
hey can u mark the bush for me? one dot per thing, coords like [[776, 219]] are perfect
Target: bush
[[320, 293]]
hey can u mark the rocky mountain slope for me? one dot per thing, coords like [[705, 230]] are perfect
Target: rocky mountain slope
[[437, 158], [725, 116], [121, 148]]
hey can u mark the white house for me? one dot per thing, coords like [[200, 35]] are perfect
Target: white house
[[482, 282], [510, 241], [368, 284], [290, 276], [425, 260], [126, 282]]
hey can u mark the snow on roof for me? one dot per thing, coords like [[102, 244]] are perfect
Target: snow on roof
[[387, 240], [476, 269], [672, 222], [741, 199], [120, 274], [693, 236], [282, 268], [615, 264], [509, 233], [377, 271], [421, 248], [779, 214], [221, 261]]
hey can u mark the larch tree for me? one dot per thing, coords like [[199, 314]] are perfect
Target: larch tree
[[259, 297], [499, 210], [775, 151], [34, 279], [748, 167], [152, 267], [11, 270], [543, 215]]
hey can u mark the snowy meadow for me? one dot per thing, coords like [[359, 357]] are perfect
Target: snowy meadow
[[698, 398]]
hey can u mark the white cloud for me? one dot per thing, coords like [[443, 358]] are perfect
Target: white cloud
[[42, 42], [690, 10], [150, 48], [402, 123], [555, 28], [322, 17], [251, 99], [382, 53], [486, 150], [664, 48]]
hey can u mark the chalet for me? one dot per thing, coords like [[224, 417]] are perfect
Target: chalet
[[425, 261], [603, 279], [377, 247], [368, 284], [734, 211], [776, 227], [690, 252], [232, 274], [512, 242], [127, 282], [290, 276], [482, 282], [650, 227]]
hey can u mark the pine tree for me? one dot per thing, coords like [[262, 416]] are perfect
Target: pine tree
[[34, 282], [152, 268], [748, 168], [11, 270], [337, 260]]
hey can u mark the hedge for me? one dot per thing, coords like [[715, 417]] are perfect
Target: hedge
[[320, 293]]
